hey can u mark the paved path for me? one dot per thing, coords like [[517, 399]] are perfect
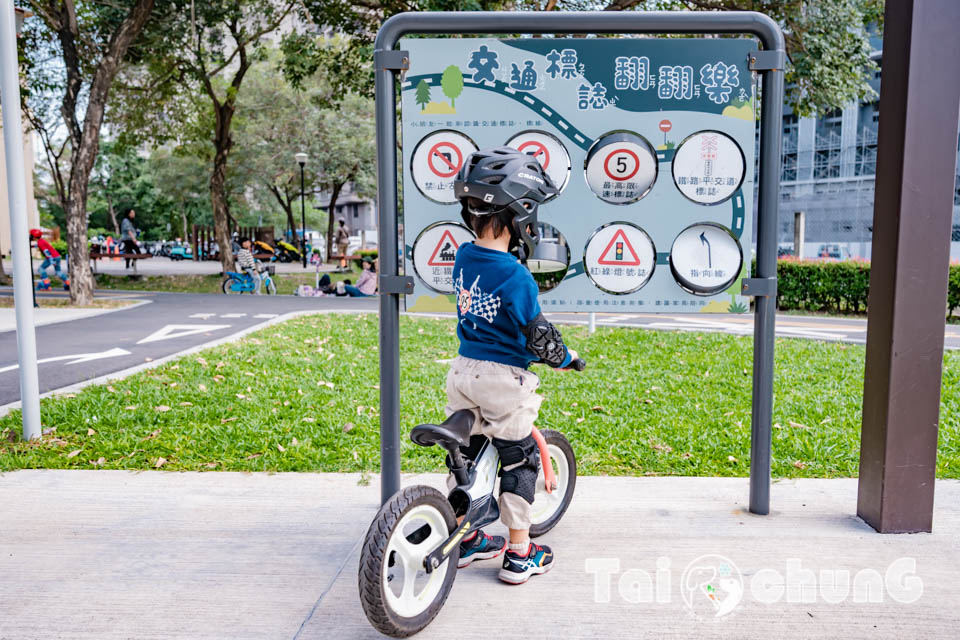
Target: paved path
[[113, 554], [169, 323]]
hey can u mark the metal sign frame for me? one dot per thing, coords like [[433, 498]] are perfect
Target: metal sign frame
[[769, 62]]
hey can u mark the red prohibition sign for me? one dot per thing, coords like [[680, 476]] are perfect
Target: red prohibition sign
[[665, 125], [537, 149], [435, 153], [636, 165]]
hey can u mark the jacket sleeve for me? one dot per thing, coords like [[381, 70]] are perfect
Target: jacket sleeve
[[540, 337]]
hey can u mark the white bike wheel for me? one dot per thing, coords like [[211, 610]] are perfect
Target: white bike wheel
[[548, 508]]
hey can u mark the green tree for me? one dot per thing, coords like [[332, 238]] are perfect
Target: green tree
[[827, 40], [210, 47], [423, 94], [65, 101], [452, 83]]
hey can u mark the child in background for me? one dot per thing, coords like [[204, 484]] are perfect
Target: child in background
[[248, 264], [51, 257]]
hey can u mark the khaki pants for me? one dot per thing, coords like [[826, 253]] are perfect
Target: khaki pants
[[504, 400]]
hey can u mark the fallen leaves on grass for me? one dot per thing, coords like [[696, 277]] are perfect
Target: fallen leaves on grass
[[226, 420], [153, 434], [99, 462], [731, 459], [799, 464], [281, 448], [49, 430], [162, 408], [797, 425], [74, 453], [160, 462], [253, 456], [347, 427], [202, 387], [186, 404], [91, 432]]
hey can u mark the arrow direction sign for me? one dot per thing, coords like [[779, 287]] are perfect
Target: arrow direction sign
[[703, 240], [76, 358], [181, 330]]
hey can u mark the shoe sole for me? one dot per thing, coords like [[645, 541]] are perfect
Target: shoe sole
[[463, 563], [519, 578]]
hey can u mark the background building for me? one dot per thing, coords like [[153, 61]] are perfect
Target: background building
[[827, 171]]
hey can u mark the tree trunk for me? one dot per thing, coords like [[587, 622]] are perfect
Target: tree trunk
[[4, 278], [218, 198], [183, 216], [112, 212], [331, 218], [85, 140]]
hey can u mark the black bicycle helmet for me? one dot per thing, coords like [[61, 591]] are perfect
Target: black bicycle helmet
[[508, 183]]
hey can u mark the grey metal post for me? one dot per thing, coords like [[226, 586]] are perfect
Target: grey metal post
[[765, 317], [535, 22], [592, 321], [386, 112], [19, 232], [799, 233]]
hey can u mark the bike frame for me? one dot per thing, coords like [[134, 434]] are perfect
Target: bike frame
[[477, 491], [246, 282]]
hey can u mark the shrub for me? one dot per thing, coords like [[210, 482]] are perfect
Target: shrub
[[371, 253], [60, 246], [838, 287]]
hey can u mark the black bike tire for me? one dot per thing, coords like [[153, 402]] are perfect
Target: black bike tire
[[372, 557], [560, 441]]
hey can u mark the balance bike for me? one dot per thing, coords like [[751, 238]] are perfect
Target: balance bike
[[409, 558]]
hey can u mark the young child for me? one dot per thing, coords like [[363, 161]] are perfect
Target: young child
[[248, 264], [51, 257], [502, 331]]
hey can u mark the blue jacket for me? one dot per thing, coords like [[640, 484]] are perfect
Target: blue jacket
[[496, 299]]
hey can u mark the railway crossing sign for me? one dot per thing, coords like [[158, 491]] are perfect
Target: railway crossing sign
[[434, 253]]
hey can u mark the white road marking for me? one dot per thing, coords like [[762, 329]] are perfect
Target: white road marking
[[203, 316], [76, 358], [266, 315], [546, 111], [232, 315], [563, 124], [528, 99], [579, 138], [180, 330]]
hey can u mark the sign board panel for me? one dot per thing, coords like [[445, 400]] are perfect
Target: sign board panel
[[651, 141]]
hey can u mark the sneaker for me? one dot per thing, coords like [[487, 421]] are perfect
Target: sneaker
[[517, 568], [480, 547]]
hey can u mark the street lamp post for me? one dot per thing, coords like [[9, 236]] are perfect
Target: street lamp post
[[302, 160]]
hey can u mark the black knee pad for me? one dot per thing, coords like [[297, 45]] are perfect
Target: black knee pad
[[519, 464]]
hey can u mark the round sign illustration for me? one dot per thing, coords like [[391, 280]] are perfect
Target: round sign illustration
[[621, 167], [619, 258], [708, 167], [706, 258], [434, 252], [436, 161], [549, 152]]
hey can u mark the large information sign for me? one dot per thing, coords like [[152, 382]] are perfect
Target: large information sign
[[650, 141]]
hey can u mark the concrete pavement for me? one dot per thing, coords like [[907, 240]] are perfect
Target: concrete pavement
[[112, 554]]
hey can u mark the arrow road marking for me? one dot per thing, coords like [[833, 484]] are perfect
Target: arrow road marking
[[181, 330], [76, 358]]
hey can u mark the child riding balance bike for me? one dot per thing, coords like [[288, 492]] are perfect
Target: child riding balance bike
[[420, 537]]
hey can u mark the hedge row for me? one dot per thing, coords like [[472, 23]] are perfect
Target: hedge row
[[838, 287]]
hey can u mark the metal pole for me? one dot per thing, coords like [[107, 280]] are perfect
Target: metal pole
[[19, 232], [386, 110], [303, 220], [592, 321], [607, 22], [764, 328]]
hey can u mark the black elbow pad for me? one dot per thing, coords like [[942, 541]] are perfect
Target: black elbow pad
[[545, 341]]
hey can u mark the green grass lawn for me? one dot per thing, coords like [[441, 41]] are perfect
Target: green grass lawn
[[302, 396], [287, 283]]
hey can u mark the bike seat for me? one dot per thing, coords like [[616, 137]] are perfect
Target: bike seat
[[451, 433]]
